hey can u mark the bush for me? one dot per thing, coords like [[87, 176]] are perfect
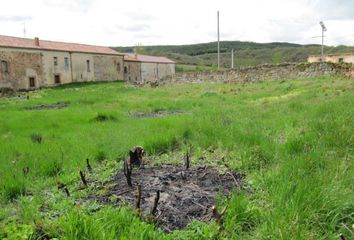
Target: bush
[[37, 138]]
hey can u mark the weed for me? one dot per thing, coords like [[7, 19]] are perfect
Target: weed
[[37, 138], [101, 117], [101, 156]]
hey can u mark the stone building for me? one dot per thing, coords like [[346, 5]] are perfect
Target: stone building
[[139, 69], [32, 63], [335, 58]]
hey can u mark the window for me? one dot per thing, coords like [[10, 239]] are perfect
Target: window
[[88, 66], [56, 78], [4, 67], [32, 82], [55, 61], [118, 67], [125, 69], [340, 60], [66, 63]]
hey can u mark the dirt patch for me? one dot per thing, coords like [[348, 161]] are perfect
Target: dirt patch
[[185, 195], [57, 105], [154, 114]]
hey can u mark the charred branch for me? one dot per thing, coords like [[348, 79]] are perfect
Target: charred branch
[[83, 179], [156, 202], [138, 197], [128, 173], [88, 165], [66, 190]]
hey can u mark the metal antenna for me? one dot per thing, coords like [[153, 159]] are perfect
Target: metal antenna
[[323, 30], [24, 29], [218, 43]]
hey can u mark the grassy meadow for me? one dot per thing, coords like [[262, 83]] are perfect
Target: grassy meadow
[[293, 140]]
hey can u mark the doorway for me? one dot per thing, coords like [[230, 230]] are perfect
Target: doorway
[[32, 82], [56, 78]]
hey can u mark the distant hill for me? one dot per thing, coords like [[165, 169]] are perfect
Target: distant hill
[[246, 53]]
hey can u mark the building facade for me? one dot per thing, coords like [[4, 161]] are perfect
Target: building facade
[[140, 69], [335, 58], [33, 63]]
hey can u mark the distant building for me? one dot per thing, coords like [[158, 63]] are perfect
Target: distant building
[[32, 63], [140, 69], [335, 58]]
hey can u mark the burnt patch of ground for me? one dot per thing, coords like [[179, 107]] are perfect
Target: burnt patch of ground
[[185, 195], [155, 114], [58, 105]]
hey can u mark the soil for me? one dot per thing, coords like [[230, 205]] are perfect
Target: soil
[[154, 114], [185, 195], [57, 105]]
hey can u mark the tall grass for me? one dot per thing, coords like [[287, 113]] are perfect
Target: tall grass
[[292, 139]]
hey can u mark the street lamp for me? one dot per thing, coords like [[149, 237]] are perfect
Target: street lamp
[[323, 30]]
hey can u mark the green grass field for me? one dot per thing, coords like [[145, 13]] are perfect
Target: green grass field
[[292, 139]]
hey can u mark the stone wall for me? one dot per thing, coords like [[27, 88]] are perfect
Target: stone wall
[[19, 72], [260, 73], [108, 68], [132, 72], [26, 64]]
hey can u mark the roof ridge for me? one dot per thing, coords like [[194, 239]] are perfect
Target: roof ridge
[[20, 42], [44, 40]]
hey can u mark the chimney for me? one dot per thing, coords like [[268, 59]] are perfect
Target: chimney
[[36, 41]]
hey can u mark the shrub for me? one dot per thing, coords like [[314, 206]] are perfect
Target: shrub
[[101, 117], [37, 138]]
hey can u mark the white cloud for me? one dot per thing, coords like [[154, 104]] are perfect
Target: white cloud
[[118, 22]]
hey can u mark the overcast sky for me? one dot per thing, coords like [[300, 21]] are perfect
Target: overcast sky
[[156, 22]]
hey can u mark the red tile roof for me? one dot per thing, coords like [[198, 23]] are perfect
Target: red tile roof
[[146, 58], [15, 42]]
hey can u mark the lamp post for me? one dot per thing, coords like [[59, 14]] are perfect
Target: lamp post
[[323, 30]]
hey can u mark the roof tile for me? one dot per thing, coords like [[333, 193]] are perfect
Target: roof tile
[[15, 42], [146, 58]]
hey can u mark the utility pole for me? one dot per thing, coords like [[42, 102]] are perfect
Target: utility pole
[[323, 30], [232, 58], [218, 43]]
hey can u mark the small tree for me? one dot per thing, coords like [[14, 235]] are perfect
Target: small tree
[[139, 49], [277, 58]]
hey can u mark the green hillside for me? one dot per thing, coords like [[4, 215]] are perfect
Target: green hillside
[[246, 53]]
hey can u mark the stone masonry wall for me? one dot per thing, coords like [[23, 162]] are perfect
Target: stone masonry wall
[[261, 73], [21, 66]]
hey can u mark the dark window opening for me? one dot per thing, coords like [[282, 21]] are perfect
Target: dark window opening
[[32, 82], [125, 69], [340, 60], [57, 79], [4, 67], [88, 66], [55, 61], [66, 63], [118, 67]]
